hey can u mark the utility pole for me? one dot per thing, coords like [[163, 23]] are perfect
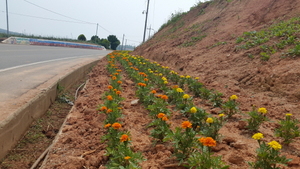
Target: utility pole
[[123, 42], [97, 30], [146, 21], [7, 29]]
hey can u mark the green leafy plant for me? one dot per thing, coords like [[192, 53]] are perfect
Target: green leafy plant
[[268, 155], [257, 117], [203, 158], [230, 107], [161, 127], [288, 129]]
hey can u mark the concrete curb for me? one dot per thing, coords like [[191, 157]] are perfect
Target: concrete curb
[[13, 128]]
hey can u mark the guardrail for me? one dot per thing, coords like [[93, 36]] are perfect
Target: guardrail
[[43, 42]]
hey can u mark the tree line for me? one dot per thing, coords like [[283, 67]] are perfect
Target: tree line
[[112, 42]]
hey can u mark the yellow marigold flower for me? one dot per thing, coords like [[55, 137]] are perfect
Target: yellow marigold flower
[[275, 145], [163, 78], [182, 76], [109, 97], [196, 78], [288, 114], [124, 137], [193, 110], [186, 96], [165, 82], [161, 115], [127, 158], [107, 125], [258, 136], [187, 76], [209, 120], [186, 124], [179, 90], [160, 74], [208, 141], [262, 110], [116, 125], [221, 115], [233, 97]]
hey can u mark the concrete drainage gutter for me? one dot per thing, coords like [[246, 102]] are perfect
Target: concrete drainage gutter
[[13, 128]]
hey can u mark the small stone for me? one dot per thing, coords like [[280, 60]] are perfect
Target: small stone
[[134, 102]]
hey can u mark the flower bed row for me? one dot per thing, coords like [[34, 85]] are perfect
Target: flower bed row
[[161, 91]]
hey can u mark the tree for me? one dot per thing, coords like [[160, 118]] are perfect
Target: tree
[[81, 37], [95, 39], [105, 43], [114, 42]]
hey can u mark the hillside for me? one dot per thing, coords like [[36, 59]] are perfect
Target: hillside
[[202, 43]]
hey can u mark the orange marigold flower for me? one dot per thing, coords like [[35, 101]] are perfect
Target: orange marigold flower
[[107, 125], [165, 118], [115, 90], [110, 87], [146, 79], [114, 78], [165, 97], [116, 125], [119, 70], [118, 92], [120, 82], [103, 108], [208, 141], [153, 91], [186, 124], [175, 86], [109, 110], [161, 115], [109, 97], [142, 84], [120, 108], [116, 73], [127, 158], [124, 137]]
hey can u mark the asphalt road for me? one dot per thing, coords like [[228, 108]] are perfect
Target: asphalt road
[[24, 67]]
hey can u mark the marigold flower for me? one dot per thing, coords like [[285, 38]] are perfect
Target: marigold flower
[[165, 82], [175, 86], [164, 78], [124, 137], [186, 96], [153, 91], [288, 114], [193, 110], [165, 118], [109, 110], [160, 74], [119, 82], [119, 70], [107, 125], [186, 124], [109, 97], [208, 141], [164, 97], [103, 108], [110, 87], [127, 158], [161, 115], [262, 110], [187, 76], [114, 78], [258, 136], [116, 125], [209, 120], [118, 92], [179, 90], [146, 79], [221, 115], [197, 78], [142, 84], [275, 145], [233, 97]]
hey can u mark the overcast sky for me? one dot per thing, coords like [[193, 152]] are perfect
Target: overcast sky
[[69, 18]]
